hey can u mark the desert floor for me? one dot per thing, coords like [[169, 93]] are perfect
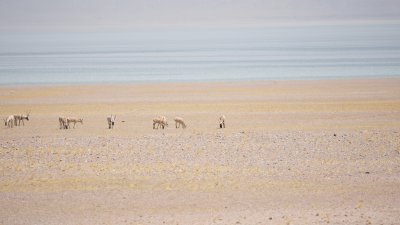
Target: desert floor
[[292, 152]]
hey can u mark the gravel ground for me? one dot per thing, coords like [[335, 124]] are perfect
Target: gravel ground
[[295, 157]]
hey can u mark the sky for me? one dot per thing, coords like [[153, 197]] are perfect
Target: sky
[[48, 15]]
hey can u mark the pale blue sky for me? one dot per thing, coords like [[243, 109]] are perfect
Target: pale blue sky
[[128, 14]]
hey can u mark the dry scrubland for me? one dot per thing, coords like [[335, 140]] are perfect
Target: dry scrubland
[[293, 152]]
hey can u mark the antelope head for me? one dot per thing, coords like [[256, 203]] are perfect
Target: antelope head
[[27, 115]]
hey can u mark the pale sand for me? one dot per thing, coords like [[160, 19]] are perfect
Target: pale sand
[[293, 152]]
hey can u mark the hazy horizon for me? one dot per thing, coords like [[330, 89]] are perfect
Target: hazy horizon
[[53, 41], [56, 15]]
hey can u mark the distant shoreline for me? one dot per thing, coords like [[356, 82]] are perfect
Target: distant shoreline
[[205, 81]]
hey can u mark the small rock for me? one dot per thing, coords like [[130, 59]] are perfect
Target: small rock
[[367, 172]]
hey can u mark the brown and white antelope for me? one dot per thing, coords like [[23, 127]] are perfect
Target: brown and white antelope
[[160, 121], [179, 122], [24, 117], [111, 121], [63, 122], [222, 121], [21, 117], [9, 121], [74, 120], [17, 120]]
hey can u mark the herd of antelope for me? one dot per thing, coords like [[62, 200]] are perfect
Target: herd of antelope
[[15, 120], [64, 122]]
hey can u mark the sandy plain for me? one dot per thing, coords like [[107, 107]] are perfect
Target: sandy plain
[[293, 152]]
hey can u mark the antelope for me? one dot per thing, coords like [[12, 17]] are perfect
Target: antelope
[[222, 121], [160, 121], [63, 122], [111, 121], [157, 121], [178, 122], [164, 122], [74, 120], [24, 117], [17, 118], [9, 122]]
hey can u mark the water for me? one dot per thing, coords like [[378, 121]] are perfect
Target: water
[[314, 52]]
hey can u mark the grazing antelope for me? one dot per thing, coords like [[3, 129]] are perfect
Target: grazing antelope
[[9, 122], [24, 117], [164, 122], [156, 121], [74, 120], [160, 121], [63, 122], [222, 121], [178, 122], [111, 121]]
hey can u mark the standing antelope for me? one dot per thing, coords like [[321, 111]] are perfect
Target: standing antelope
[[9, 122], [111, 121], [24, 117], [63, 122], [160, 121], [178, 122], [17, 120], [222, 121], [74, 120]]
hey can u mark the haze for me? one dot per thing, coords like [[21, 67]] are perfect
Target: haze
[[123, 14]]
